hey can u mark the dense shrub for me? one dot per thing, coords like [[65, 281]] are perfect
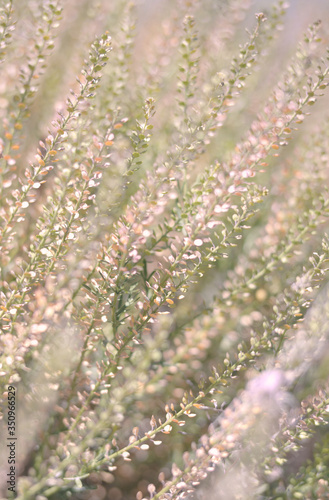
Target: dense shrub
[[164, 306]]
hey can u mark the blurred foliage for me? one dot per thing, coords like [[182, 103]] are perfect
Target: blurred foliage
[[163, 250]]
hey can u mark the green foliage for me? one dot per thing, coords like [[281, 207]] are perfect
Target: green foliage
[[163, 251]]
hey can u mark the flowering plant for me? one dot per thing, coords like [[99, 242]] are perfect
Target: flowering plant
[[163, 246]]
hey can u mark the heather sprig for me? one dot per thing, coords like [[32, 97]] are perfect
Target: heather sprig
[[7, 26], [54, 142], [19, 110]]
